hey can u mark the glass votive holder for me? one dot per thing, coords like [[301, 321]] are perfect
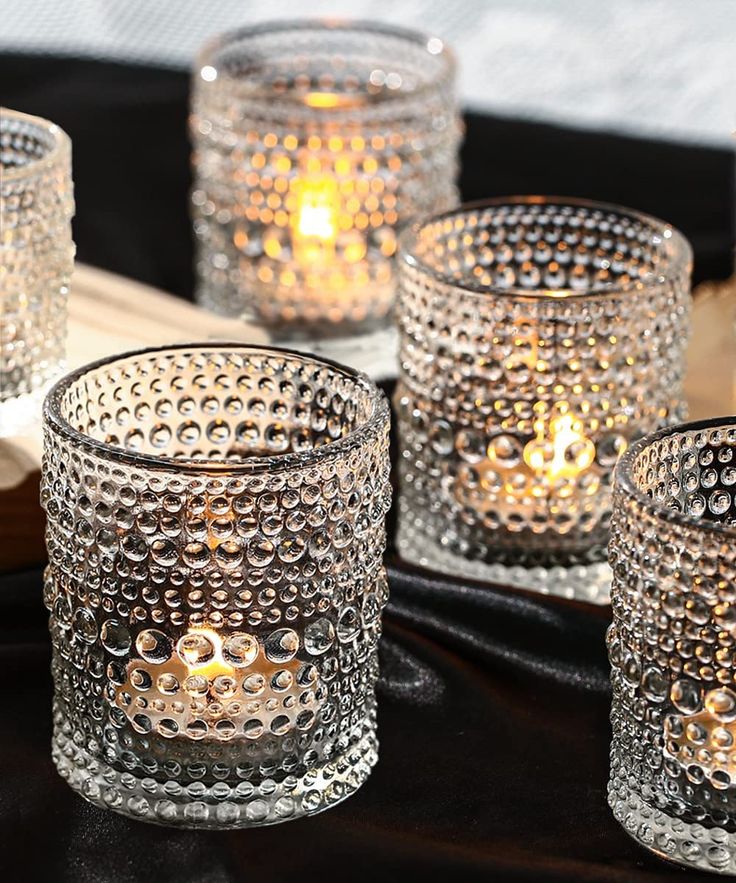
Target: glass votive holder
[[314, 143], [36, 256], [672, 644], [215, 581], [538, 337]]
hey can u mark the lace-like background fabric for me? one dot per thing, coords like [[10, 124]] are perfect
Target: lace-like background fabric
[[656, 67]]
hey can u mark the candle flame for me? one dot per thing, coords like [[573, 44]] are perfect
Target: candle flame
[[316, 216], [210, 666], [331, 99], [560, 448]]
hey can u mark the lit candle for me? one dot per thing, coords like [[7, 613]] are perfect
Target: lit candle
[[214, 687], [328, 228], [229, 489], [560, 450], [309, 164], [556, 464], [531, 353], [314, 225]]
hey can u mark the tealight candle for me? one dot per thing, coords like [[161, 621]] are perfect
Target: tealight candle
[[538, 338], [315, 142], [215, 581], [36, 208], [216, 688], [671, 644]]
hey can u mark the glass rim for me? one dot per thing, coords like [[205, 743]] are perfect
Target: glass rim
[[624, 479], [60, 425], [207, 57], [60, 149], [408, 240]]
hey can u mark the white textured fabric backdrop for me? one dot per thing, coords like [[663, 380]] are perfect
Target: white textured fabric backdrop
[[660, 67]]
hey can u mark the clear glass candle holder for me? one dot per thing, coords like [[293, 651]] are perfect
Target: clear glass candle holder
[[215, 581], [37, 256], [539, 336], [672, 644], [314, 143]]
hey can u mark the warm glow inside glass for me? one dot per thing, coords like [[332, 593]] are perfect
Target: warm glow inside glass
[[36, 259], [538, 337], [314, 143], [215, 581], [672, 644]]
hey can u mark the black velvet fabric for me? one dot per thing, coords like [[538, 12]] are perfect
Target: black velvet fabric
[[493, 714]]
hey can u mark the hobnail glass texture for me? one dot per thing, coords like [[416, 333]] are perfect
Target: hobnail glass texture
[[215, 582], [672, 644], [314, 144], [539, 336], [36, 208]]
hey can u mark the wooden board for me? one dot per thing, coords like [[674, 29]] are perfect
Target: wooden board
[[710, 383], [108, 314]]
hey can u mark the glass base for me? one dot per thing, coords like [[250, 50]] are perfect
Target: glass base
[[582, 582], [374, 349], [21, 415], [218, 805], [685, 843], [375, 353]]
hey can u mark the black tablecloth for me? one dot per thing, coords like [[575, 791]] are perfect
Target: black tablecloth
[[493, 714]]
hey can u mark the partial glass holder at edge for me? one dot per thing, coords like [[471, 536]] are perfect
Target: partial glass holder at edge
[[539, 336], [37, 255], [315, 143], [215, 582], [671, 644]]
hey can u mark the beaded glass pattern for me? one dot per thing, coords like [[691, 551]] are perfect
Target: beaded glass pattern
[[36, 208], [672, 644], [538, 337], [314, 143], [215, 581]]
